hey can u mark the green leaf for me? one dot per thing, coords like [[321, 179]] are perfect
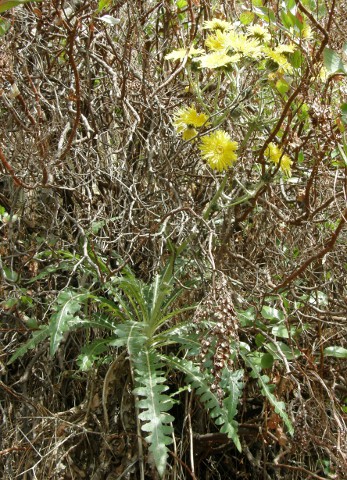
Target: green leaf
[[343, 152], [181, 4], [159, 290], [335, 351], [266, 389], [282, 86], [271, 313], [333, 62], [64, 319], [265, 14], [7, 5], [259, 339], [91, 352], [104, 4], [10, 275], [37, 337], [286, 19], [136, 293], [319, 299], [10, 302], [282, 331], [296, 59], [232, 385], [4, 27], [154, 405], [247, 317], [344, 113], [97, 226], [267, 360], [246, 18], [131, 335], [223, 415], [287, 351]]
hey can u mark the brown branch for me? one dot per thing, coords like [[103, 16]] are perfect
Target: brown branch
[[298, 469], [318, 26], [13, 449], [311, 215], [10, 170], [328, 247], [42, 145], [313, 20], [77, 96]]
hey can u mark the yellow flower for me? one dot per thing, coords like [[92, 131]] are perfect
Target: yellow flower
[[259, 33], [219, 41], [217, 60], [245, 46], [186, 118], [180, 53], [306, 32], [282, 48], [273, 152], [278, 58], [286, 164], [217, 24], [189, 133], [323, 74], [218, 150], [276, 156], [223, 42]]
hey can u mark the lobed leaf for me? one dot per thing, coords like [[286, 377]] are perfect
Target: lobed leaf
[[263, 381], [154, 406], [223, 414], [64, 319], [37, 337]]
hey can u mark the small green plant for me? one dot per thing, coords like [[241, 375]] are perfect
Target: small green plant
[[141, 319], [8, 4]]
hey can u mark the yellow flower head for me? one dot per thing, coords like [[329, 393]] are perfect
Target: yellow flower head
[[276, 156], [244, 45], [286, 164], [218, 41], [186, 118], [323, 74], [217, 60], [279, 58], [217, 24], [180, 53], [189, 133], [306, 32], [273, 153], [259, 32], [222, 42], [218, 150], [282, 48]]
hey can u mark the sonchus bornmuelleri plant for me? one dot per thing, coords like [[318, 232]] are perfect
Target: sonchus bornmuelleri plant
[[142, 321]]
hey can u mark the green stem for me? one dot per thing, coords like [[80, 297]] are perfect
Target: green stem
[[215, 103], [198, 91], [247, 196]]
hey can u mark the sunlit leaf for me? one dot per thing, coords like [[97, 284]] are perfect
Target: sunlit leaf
[[335, 351], [110, 20], [7, 5], [272, 313], [333, 62]]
